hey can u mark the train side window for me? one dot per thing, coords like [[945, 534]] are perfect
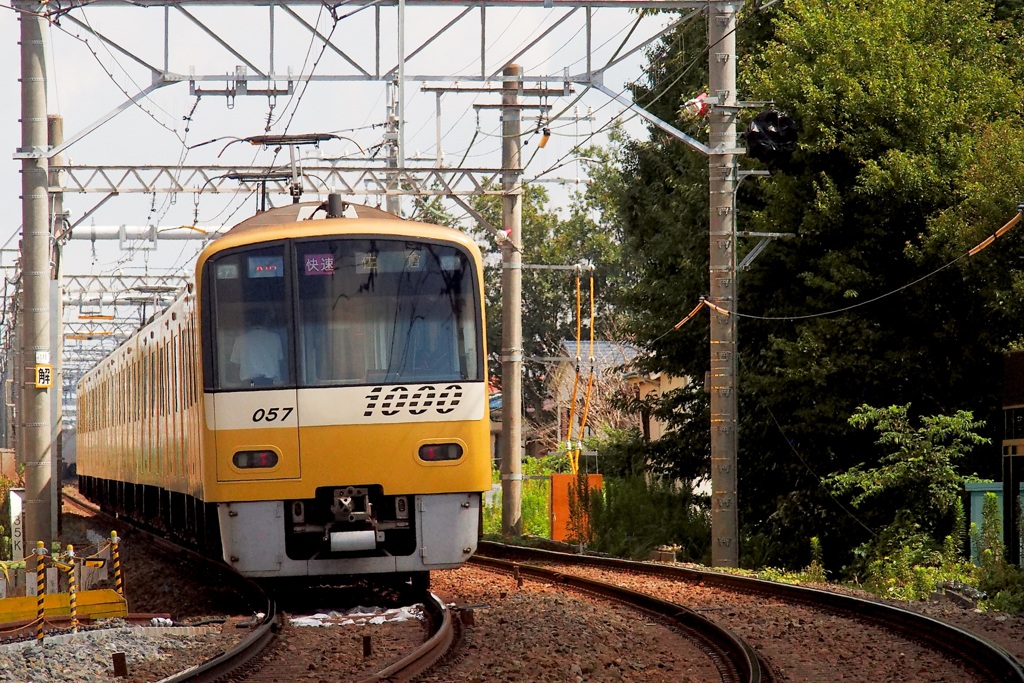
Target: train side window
[[176, 372], [161, 381], [135, 390], [151, 382], [190, 378]]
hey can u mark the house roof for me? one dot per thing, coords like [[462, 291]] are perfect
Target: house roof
[[607, 354]]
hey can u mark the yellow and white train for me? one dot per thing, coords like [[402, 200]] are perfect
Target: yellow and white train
[[315, 404]]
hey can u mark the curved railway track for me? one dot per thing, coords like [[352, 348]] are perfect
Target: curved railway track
[[735, 660], [243, 661], [989, 661], [249, 661]]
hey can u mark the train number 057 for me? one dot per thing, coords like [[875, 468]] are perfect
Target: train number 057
[[271, 414]]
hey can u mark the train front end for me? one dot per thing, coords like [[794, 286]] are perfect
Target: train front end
[[346, 402]]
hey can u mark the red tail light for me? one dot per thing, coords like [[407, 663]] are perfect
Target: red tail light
[[246, 460], [438, 452]]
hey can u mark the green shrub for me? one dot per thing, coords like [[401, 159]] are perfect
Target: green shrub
[[536, 498], [630, 517], [815, 571], [1002, 583], [904, 563]]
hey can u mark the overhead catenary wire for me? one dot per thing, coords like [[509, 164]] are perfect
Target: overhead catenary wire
[[1006, 227], [664, 90], [135, 99]]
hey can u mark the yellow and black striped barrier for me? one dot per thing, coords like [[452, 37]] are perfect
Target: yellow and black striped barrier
[[116, 556], [95, 604], [40, 589]]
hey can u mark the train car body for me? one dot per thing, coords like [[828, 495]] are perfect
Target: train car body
[[314, 405]]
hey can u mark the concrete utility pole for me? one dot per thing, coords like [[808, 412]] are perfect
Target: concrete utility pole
[[722, 176], [35, 311], [511, 306]]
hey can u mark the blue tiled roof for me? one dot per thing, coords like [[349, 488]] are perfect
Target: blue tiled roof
[[607, 354]]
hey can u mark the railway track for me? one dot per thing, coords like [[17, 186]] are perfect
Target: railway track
[[291, 655], [734, 659], [247, 659], [984, 659]]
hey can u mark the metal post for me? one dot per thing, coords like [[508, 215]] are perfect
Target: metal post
[[72, 589], [511, 307], [722, 186], [115, 556], [1013, 476], [40, 553], [58, 223], [391, 201], [35, 261]]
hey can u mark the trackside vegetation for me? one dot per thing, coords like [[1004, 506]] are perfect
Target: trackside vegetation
[[871, 342]]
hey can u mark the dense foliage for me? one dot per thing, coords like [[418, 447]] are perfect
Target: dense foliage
[[908, 157], [549, 313]]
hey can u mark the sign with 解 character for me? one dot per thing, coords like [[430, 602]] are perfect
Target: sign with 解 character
[[44, 376]]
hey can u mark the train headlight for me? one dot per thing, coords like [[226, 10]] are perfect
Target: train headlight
[[247, 460], [439, 452]]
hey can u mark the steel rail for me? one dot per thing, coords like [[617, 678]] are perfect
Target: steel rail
[[426, 655], [235, 658], [988, 659], [735, 659]]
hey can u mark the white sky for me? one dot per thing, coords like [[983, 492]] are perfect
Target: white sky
[[88, 80], [82, 92]]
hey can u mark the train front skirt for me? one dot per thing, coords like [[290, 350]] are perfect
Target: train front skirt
[[254, 537]]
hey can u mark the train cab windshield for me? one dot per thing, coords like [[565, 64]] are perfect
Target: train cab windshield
[[344, 311]]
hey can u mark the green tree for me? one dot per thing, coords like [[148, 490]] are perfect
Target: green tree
[[916, 477], [906, 160], [549, 296]]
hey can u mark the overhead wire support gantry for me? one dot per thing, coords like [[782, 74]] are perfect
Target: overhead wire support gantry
[[260, 75]]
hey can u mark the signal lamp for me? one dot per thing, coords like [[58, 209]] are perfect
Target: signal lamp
[[772, 138], [439, 452], [248, 460]]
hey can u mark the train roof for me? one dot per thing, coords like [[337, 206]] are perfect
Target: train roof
[[304, 211], [309, 219]]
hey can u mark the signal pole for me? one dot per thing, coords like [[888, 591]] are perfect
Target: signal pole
[[392, 204], [511, 306], [722, 176], [34, 416], [58, 222]]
